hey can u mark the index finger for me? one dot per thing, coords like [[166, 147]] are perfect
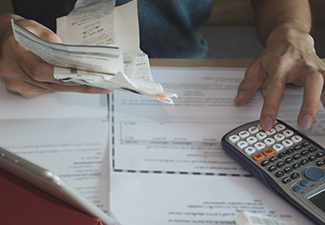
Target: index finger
[[273, 94]]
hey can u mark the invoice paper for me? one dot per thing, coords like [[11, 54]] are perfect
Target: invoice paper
[[167, 165]]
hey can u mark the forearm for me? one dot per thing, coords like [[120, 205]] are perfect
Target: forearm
[[283, 15]]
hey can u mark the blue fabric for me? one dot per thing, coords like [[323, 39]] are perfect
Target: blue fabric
[[168, 28]]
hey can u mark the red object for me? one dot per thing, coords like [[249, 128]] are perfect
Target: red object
[[23, 204]]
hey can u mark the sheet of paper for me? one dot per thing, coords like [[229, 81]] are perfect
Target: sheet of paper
[[66, 133], [167, 164]]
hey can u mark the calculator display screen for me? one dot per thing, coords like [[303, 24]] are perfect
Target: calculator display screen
[[319, 200]]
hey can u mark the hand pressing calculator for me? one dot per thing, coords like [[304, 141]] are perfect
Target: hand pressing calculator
[[285, 160]]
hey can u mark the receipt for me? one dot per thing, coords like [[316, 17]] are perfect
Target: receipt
[[100, 48]]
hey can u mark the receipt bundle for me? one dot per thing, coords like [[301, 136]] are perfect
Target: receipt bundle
[[100, 47]]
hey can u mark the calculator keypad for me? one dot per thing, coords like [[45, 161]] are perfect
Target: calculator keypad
[[279, 151]]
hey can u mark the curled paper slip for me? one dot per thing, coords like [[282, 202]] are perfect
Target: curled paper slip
[[150, 89], [99, 66]]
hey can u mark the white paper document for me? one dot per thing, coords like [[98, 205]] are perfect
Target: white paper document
[[167, 163], [100, 47], [66, 133]]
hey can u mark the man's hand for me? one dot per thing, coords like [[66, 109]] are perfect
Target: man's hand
[[289, 57], [26, 73]]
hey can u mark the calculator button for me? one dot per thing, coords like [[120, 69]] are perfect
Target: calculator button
[[288, 160], [281, 155], [277, 147], [268, 151], [251, 140], [288, 133], [259, 127], [265, 163], [253, 130], [312, 158], [295, 176], [320, 163], [259, 145], [295, 166], [297, 148], [305, 144], [250, 150], [289, 151], [304, 162], [234, 138], [279, 137], [320, 154], [279, 174], [280, 164], [314, 174], [242, 144], [296, 156], [297, 189], [304, 153], [269, 141], [287, 143], [243, 134], [296, 139], [258, 156], [272, 168], [261, 135], [312, 149], [304, 183], [279, 127], [287, 170], [270, 132], [273, 159], [286, 180]]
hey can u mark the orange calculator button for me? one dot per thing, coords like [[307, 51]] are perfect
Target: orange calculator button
[[258, 156], [268, 151]]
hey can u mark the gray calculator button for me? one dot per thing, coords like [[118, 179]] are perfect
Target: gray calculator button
[[259, 145], [261, 135], [253, 130], [251, 140], [279, 127], [243, 134], [287, 143], [314, 174], [234, 138], [269, 141], [271, 131], [250, 150], [277, 147], [242, 144], [279, 137], [288, 133], [296, 138]]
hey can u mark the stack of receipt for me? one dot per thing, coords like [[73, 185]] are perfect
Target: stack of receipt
[[100, 47]]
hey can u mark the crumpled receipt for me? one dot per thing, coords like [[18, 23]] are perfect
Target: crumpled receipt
[[100, 47], [247, 218]]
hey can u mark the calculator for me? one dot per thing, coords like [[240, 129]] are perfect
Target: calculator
[[285, 160]]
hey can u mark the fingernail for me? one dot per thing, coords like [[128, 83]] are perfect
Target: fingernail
[[266, 123], [305, 121], [104, 91], [239, 95]]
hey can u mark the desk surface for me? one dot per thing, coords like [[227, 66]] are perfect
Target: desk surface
[[244, 63]]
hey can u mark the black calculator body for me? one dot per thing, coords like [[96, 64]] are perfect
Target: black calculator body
[[285, 160]]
